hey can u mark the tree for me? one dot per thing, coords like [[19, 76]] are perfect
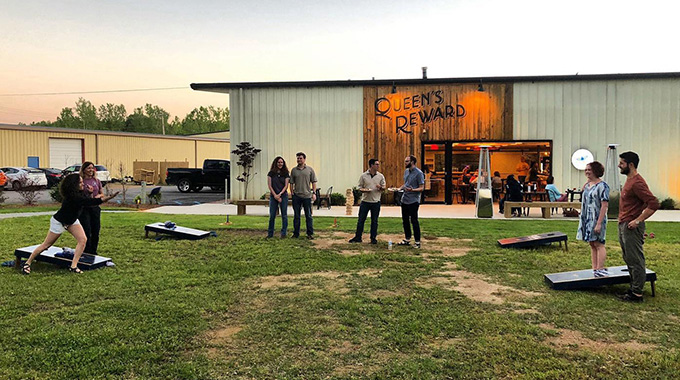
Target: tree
[[87, 114], [147, 119], [66, 119], [205, 119], [246, 156], [112, 117]]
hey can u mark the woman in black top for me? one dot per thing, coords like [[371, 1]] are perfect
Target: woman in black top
[[66, 219], [278, 179]]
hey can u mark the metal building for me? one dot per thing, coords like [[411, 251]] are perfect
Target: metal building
[[341, 124], [59, 147]]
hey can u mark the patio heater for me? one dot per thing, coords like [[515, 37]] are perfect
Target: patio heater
[[611, 177], [484, 200]]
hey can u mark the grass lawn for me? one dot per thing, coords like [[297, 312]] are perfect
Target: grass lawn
[[240, 306], [15, 209]]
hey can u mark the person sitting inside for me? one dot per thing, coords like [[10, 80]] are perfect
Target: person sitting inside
[[513, 193], [496, 185], [465, 176], [554, 194]]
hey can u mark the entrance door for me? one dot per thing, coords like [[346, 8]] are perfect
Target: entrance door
[[436, 165]]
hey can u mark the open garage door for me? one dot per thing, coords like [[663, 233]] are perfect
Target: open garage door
[[65, 152]]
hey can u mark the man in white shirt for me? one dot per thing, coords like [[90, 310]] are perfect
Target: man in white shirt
[[371, 185]]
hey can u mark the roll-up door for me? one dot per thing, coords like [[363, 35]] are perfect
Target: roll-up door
[[65, 152]]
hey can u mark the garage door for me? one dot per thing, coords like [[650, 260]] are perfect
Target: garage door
[[65, 152]]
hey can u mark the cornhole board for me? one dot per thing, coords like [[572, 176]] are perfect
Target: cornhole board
[[585, 278], [48, 256], [535, 240], [179, 232]]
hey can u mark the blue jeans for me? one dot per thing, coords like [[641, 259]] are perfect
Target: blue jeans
[[273, 207], [364, 208], [298, 204]]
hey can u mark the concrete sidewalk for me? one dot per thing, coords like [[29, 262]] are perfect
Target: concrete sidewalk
[[426, 211]]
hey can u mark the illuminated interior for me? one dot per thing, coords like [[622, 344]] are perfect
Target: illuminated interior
[[505, 156]]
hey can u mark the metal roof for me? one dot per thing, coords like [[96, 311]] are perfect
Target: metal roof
[[38, 128], [225, 87]]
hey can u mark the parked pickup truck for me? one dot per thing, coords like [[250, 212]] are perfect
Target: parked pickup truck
[[213, 174]]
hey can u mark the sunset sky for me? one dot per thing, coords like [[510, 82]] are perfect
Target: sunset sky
[[81, 46]]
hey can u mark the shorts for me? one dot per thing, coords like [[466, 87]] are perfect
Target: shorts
[[57, 228]]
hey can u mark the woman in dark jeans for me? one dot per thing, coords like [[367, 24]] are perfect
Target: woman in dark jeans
[[90, 217], [278, 179]]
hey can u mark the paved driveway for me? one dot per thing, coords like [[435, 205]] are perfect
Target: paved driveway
[[170, 195]]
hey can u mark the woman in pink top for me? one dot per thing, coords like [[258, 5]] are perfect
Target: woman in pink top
[[90, 217]]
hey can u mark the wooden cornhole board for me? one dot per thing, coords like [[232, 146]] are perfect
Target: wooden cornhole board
[[178, 232], [535, 240], [48, 256], [585, 278]]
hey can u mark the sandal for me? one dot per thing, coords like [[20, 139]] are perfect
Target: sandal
[[26, 269], [75, 270]]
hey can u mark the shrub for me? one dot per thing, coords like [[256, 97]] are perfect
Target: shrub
[[338, 199], [264, 196], [2, 197], [55, 194], [28, 191], [667, 204]]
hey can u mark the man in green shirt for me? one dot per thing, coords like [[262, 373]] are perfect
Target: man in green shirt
[[303, 182]]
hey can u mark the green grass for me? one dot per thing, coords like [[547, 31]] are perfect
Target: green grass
[[12, 209], [174, 309]]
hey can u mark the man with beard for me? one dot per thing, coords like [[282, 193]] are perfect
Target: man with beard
[[414, 183], [637, 203]]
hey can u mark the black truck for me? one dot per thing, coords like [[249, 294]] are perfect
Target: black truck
[[213, 174]]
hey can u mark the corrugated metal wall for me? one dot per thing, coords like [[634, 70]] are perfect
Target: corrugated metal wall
[[209, 149], [640, 115], [17, 145], [109, 150], [325, 123]]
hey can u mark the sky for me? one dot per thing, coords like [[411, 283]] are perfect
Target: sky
[[105, 45]]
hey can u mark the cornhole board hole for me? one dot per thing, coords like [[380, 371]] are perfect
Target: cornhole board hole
[[585, 279], [535, 240], [87, 261], [178, 232]]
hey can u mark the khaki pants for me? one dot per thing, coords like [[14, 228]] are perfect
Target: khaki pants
[[632, 242]]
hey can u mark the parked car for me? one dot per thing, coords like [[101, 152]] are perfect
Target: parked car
[[3, 179], [213, 174], [101, 172], [53, 175], [22, 177]]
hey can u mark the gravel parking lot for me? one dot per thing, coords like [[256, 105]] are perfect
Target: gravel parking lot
[[170, 195]]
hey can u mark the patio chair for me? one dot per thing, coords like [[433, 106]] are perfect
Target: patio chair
[[324, 198]]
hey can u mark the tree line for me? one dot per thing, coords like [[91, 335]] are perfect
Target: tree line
[[147, 119]]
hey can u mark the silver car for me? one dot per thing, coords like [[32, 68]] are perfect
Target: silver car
[[18, 178], [101, 172]]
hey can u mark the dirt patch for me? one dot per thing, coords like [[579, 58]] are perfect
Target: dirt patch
[[454, 251], [446, 343], [571, 338], [329, 279], [220, 338], [526, 311], [347, 252], [474, 286]]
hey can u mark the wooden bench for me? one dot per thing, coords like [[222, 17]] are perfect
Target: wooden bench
[[242, 203], [545, 206]]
